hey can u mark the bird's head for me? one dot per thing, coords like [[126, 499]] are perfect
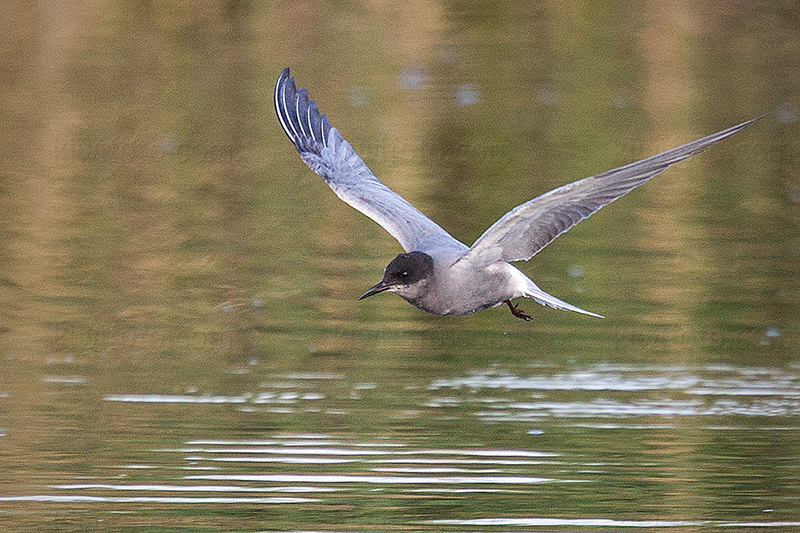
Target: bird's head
[[405, 275]]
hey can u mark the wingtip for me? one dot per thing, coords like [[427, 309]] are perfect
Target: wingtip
[[282, 78], [299, 116], [748, 123]]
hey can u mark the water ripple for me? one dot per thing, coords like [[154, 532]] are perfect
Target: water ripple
[[603, 522], [394, 480]]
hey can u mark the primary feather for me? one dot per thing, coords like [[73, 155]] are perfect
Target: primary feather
[[324, 150], [529, 227]]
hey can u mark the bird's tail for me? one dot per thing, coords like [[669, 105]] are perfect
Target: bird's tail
[[533, 291]]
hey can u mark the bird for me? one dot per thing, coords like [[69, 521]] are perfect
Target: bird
[[438, 273]]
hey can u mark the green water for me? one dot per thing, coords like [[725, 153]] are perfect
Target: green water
[[181, 345]]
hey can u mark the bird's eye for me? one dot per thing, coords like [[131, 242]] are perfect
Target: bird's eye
[[404, 274]]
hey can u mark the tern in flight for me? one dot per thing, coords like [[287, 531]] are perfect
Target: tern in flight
[[438, 273]]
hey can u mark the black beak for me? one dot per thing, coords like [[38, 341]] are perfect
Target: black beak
[[375, 289]]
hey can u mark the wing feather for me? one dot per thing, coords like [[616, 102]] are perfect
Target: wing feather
[[529, 227], [324, 150]]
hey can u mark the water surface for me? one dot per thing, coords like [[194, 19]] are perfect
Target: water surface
[[181, 348]]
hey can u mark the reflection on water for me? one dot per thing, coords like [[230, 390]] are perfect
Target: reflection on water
[[479, 448], [601, 522], [149, 499], [181, 347], [732, 391]]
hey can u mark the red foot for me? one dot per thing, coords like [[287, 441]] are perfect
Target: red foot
[[517, 311]]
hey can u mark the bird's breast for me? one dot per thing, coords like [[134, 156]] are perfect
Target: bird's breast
[[462, 289]]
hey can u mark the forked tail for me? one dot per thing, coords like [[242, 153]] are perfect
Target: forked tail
[[533, 291]]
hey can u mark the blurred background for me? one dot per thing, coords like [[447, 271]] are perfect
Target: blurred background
[[171, 272]]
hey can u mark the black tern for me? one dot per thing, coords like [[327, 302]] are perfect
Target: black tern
[[438, 273]]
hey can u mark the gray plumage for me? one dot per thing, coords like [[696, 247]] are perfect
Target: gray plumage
[[439, 274], [526, 229], [324, 150]]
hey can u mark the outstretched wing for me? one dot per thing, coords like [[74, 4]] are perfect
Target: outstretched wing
[[531, 226], [324, 150]]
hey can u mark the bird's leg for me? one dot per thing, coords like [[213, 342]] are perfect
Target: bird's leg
[[517, 312]]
